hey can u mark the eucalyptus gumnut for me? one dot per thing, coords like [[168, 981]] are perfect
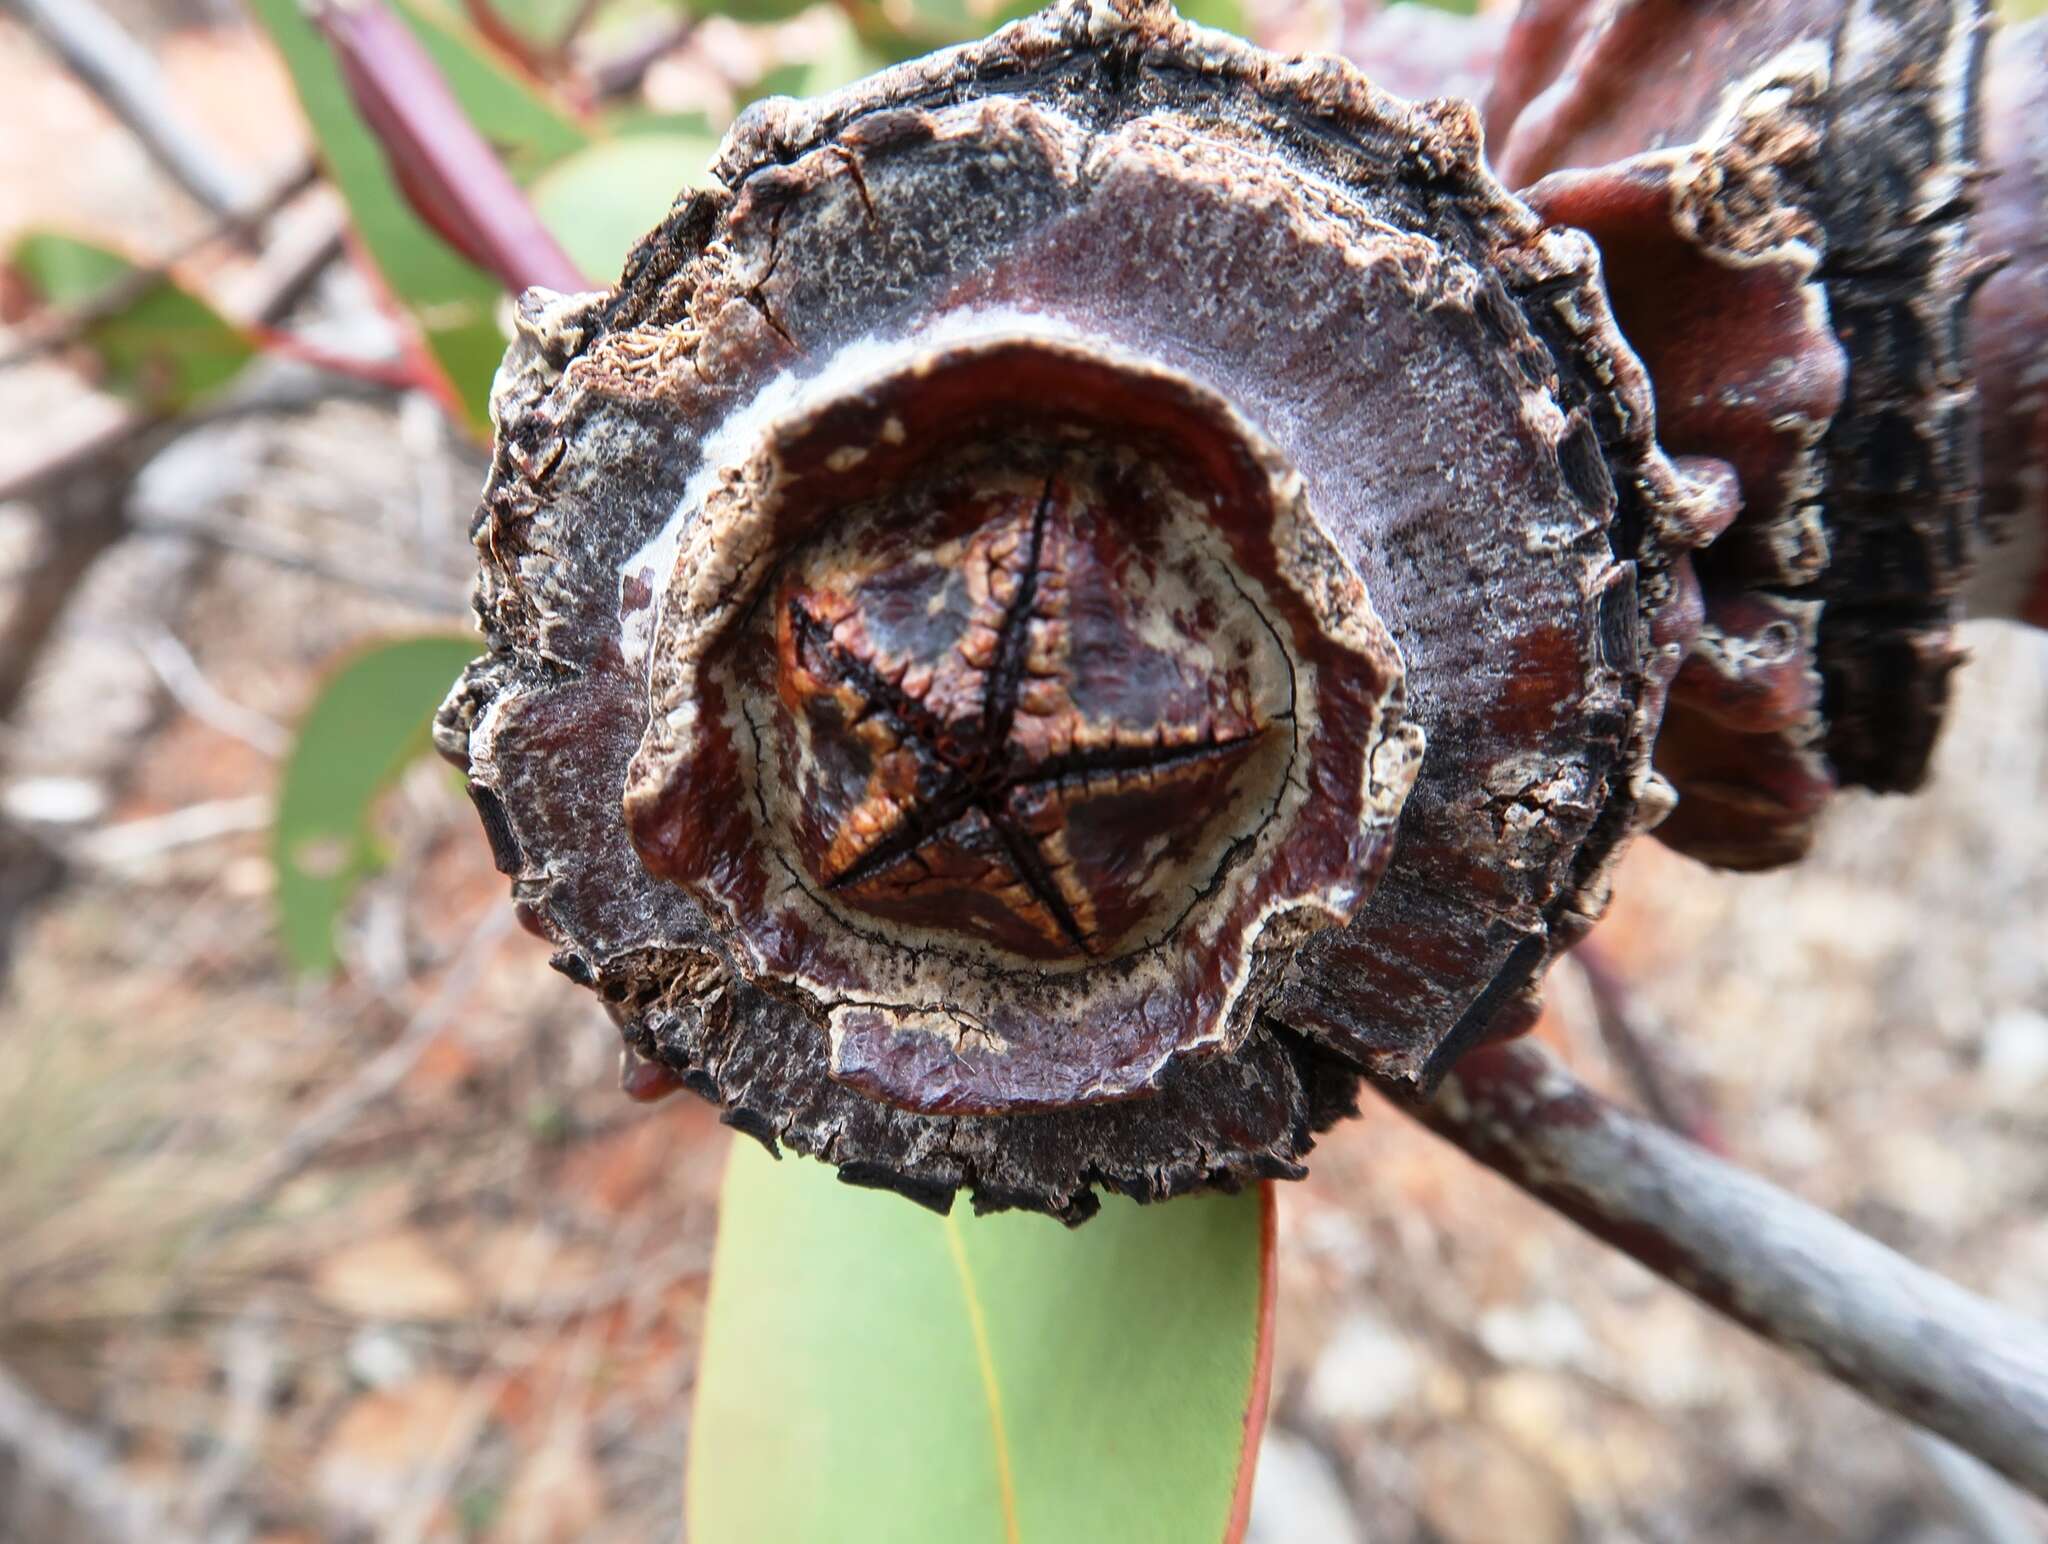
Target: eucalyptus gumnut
[[1096, 587]]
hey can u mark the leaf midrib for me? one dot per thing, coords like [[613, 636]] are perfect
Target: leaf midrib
[[984, 1356]]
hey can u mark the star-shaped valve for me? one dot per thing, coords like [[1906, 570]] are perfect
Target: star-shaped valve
[[1028, 715], [1012, 710]]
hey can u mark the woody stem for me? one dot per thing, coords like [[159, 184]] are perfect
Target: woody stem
[[1900, 1335]]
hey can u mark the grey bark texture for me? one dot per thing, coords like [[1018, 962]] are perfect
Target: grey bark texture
[[1902, 1336]]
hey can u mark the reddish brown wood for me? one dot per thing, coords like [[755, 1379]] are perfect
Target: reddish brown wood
[[1000, 731], [1024, 709], [1784, 197]]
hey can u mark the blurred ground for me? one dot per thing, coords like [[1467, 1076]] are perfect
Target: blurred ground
[[391, 1258]]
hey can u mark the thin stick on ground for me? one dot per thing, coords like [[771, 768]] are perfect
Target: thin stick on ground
[[193, 690], [130, 844], [251, 1363], [1640, 1051], [1902, 1336], [121, 73], [76, 1469], [374, 1080]]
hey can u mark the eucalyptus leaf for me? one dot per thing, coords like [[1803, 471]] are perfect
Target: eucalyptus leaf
[[630, 121], [1226, 15], [750, 10], [601, 201], [371, 719], [452, 303], [539, 24], [527, 127], [158, 345], [874, 1372]]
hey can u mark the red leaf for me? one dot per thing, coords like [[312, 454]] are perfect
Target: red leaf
[[447, 172], [1262, 1367]]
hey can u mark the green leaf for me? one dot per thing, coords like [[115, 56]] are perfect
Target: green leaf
[[841, 59], [749, 10], [1226, 15], [541, 23], [156, 344], [371, 719], [529, 130], [599, 203], [903, 31], [453, 304], [790, 80], [874, 1372], [630, 121]]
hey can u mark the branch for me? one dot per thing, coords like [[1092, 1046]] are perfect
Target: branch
[[121, 73], [129, 844], [81, 490], [393, 375], [240, 537], [251, 1366], [82, 516], [375, 1079], [1903, 1337], [1991, 1510], [71, 1464], [278, 287], [1639, 1051], [624, 73], [507, 39]]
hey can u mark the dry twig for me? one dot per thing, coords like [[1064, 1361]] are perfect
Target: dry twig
[[69, 1463], [131, 843], [250, 1357], [1902, 1336], [1640, 1050], [194, 691], [81, 490], [625, 72], [242, 537], [121, 73], [375, 1079], [1985, 1504]]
